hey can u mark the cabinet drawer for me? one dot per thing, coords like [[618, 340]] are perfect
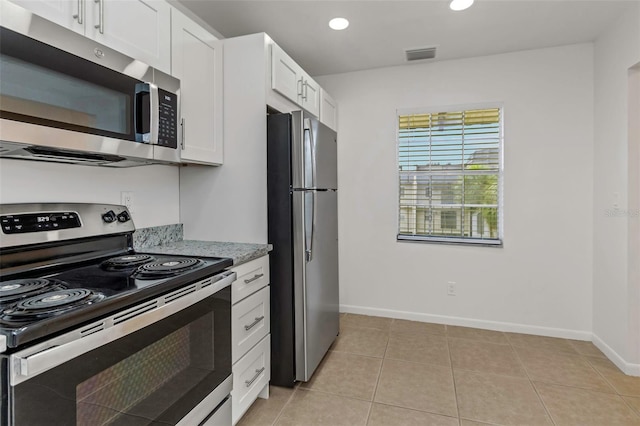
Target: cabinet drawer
[[252, 276], [250, 375], [250, 322]]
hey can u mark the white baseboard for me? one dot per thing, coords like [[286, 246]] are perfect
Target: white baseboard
[[469, 322], [627, 367]]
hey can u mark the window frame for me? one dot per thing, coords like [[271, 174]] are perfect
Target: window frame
[[497, 242]]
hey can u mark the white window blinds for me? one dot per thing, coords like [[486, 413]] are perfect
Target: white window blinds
[[450, 176]]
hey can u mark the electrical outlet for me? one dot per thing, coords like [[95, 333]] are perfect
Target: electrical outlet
[[127, 200], [451, 288]]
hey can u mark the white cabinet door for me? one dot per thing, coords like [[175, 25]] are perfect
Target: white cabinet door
[[310, 99], [328, 110], [250, 322], [138, 28], [286, 75], [251, 374], [68, 13], [251, 277], [291, 81], [197, 62]]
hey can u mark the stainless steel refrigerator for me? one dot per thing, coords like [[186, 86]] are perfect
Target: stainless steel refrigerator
[[303, 228]]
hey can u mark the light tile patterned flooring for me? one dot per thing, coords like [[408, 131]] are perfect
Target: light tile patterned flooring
[[383, 371]]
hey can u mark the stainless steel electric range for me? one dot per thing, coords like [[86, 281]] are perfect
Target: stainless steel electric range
[[94, 333]]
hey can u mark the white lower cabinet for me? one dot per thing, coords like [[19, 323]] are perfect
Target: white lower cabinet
[[250, 335], [250, 376], [249, 322], [252, 276]]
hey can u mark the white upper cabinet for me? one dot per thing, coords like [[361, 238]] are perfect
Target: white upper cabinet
[[138, 28], [197, 62], [310, 99], [286, 76], [290, 80], [68, 13], [328, 110]]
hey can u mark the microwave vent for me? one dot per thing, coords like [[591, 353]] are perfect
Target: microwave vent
[[420, 53]]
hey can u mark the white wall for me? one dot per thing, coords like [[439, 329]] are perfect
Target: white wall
[[616, 304], [156, 188], [541, 280]]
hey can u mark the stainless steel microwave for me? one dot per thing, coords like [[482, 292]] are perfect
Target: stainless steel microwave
[[65, 98]]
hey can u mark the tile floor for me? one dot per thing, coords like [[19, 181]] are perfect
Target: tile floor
[[384, 371]]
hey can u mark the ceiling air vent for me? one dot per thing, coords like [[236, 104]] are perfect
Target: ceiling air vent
[[420, 53]]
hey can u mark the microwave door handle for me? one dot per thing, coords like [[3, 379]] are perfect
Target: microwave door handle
[[154, 114]]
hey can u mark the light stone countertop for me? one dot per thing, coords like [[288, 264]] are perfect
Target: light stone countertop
[[239, 252]]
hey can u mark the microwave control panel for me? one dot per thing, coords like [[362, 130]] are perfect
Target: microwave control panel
[[167, 119]]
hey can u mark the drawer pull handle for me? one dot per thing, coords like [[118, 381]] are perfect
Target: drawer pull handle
[[255, 277], [253, 324], [258, 373]]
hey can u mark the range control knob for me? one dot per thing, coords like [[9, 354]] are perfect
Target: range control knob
[[124, 216], [109, 216]]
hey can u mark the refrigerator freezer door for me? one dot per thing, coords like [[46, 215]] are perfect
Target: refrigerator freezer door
[[314, 152], [316, 280]]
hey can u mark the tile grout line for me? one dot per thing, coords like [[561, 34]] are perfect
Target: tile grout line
[[535, 389], [453, 377], [295, 389], [583, 358], [375, 390], [633, 410], [604, 378], [337, 395]]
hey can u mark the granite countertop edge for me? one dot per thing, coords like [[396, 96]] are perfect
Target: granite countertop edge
[[239, 252]]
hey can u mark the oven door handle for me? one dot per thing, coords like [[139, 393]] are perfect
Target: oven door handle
[[33, 361]]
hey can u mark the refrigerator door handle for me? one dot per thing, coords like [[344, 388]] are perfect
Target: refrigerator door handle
[[310, 212], [314, 215], [312, 151]]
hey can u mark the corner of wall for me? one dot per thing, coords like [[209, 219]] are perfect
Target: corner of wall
[[616, 283]]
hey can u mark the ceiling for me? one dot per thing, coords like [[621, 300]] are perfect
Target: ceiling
[[381, 30]]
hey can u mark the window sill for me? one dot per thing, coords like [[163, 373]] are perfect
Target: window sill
[[450, 241]]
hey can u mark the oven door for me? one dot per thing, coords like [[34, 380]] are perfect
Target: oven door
[[171, 366]]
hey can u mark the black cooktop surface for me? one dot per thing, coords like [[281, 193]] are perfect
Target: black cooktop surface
[[37, 305]]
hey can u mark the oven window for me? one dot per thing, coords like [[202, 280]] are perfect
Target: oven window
[[167, 367], [30, 90]]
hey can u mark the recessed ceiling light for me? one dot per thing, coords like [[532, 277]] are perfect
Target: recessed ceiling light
[[338, 24], [460, 4]]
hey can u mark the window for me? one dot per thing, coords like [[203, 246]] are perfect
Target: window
[[450, 171], [449, 219]]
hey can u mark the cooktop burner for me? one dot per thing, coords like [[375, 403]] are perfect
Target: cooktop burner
[[167, 268], [49, 304], [11, 291], [127, 261]]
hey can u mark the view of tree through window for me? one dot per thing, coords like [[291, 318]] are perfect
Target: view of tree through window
[[450, 175]]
